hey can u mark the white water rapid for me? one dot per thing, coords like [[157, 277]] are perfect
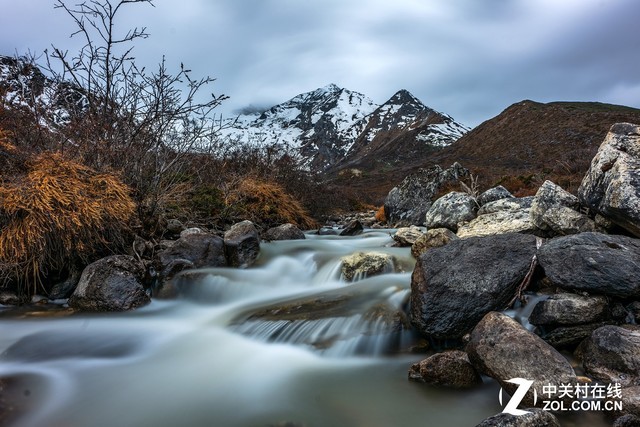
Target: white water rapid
[[284, 343]]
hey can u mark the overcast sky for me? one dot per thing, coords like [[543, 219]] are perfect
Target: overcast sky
[[468, 58]]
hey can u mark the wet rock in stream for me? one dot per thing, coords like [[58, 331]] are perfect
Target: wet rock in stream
[[321, 321], [450, 369]]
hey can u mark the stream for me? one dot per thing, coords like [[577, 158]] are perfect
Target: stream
[[284, 343]]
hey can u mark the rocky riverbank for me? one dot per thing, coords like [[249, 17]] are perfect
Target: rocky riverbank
[[581, 255]]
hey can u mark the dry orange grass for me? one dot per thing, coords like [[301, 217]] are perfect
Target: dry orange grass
[[267, 203], [381, 215], [55, 214]]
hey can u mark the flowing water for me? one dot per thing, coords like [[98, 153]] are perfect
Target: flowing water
[[284, 343]]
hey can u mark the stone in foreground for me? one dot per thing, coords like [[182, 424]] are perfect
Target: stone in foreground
[[450, 369], [113, 283], [454, 286], [612, 354], [593, 262], [242, 244], [503, 349]]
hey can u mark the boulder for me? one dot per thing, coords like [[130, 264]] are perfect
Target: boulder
[[493, 194], [242, 244], [500, 222], [611, 355], [284, 232], [434, 238], [366, 264], [353, 228], [568, 337], [450, 210], [510, 204], [195, 250], [408, 203], [535, 418], [569, 309], [407, 236], [593, 262], [503, 349], [556, 210], [114, 283], [611, 186], [450, 369], [454, 286]]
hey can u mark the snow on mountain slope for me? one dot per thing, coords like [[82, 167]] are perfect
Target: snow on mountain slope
[[329, 125], [316, 123]]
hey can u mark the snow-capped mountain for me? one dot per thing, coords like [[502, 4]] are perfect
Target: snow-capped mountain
[[333, 126]]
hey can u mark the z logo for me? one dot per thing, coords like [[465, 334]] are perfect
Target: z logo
[[523, 387]]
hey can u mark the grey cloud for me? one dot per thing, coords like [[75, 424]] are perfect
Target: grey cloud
[[467, 58]]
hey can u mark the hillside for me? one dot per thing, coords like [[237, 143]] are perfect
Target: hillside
[[531, 141]]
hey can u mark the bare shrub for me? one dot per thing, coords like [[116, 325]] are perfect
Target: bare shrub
[[144, 124]]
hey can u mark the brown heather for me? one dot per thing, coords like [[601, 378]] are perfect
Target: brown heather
[[267, 203], [57, 213]]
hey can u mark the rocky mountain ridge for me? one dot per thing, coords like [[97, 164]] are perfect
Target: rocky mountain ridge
[[333, 128]]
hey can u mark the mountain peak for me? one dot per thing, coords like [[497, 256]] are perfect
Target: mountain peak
[[331, 87], [403, 96]]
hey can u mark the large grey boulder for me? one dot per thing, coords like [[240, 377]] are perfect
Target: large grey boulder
[[556, 210], [611, 186], [503, 349], [611, 355], [593, 262], [454, 286], [114, 283], [242, 244], [408, 203], [450, 210]]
